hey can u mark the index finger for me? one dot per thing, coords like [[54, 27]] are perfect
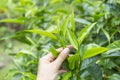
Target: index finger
[[49, 57]]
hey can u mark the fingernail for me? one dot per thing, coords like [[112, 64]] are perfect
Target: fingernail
[[70, 46], [61, 49], [66, 51]]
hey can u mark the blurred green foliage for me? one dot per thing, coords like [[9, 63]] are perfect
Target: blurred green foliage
[[40, 26]]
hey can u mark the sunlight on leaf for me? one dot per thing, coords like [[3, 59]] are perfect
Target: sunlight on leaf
[[72, 39], [93, 52], [84, 32], [42, 32]]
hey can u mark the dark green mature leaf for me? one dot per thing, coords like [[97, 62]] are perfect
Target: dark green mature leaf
[[106, 34], [84, 32], [42, 32], [88, 62], [112, 50], [112, 55], [115, 44], [93, 52], [72, 39], [95, 71], [114, 77]]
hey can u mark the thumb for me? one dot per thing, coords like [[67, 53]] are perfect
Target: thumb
[[62, 56]]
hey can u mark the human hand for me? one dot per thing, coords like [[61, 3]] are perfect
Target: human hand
[[49, 66]]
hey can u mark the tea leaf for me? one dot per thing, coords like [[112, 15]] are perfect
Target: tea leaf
[[73, 60], [72, 22], [112, 55], [30, 40], [83, 21], [94, 51], [106, 34], [54, 52], [114, 77], [95, 71], [13, 21], [84, 32], [67, 76], [42, 32], [72, 39], [115, 44], [29, 74], [64, 27]]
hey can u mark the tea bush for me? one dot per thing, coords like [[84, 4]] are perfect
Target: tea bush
[[90, 26]]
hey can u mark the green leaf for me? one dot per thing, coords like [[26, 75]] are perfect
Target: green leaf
[[112, 50], [114, 77], [93, 52], [14, 35], [112, 55], [106, 34], [95, 71], [72, 39], [67, 76], [73, 60], [54, 52], [42, 32], [115, 44], [72, 22], [62, 32], [29, 75], [13, 21], [84, 32], [25, 52], [83, 21], [64, 27], [62, 41], [30, 40]]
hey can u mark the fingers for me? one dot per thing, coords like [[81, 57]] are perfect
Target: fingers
[[70, 47], [62, 56], [62, 71], [49, 57]]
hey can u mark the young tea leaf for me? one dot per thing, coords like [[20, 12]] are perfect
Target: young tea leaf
[[42, 32], [72, 39], [93, 52], [73, 60], [54, 52], [29, 75], [64, 27], [67, 76], [13, 21], [72, 22], [84, 32]]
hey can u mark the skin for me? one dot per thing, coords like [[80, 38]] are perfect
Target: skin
[[49, 66]]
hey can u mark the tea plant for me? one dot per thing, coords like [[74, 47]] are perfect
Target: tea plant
[[91, 27]]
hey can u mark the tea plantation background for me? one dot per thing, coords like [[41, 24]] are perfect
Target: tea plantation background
[[30, 28]]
